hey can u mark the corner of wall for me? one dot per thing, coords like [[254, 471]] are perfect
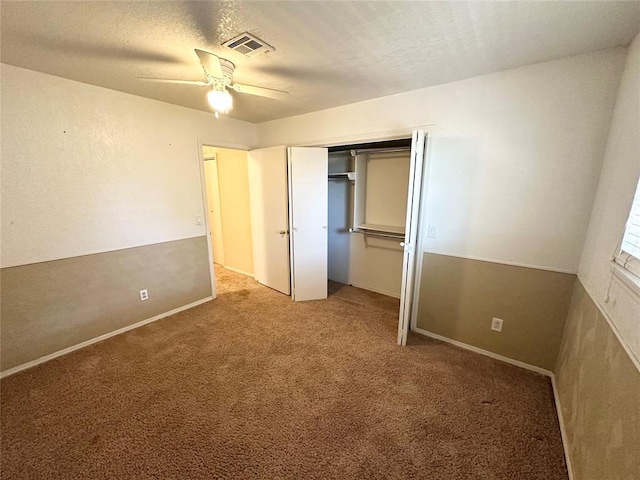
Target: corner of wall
[[594, 348]]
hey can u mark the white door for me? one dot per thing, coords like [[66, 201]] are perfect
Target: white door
[[213, 204], [270, 217], [418, 151], [308, 171]]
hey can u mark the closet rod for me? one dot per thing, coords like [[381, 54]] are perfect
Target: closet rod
[[342, 175], [374, 233], [380, 150]]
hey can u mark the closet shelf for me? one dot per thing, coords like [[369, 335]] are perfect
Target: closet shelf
[[349, 175]]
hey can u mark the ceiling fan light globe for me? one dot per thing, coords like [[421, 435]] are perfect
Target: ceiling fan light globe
[[220, 101]]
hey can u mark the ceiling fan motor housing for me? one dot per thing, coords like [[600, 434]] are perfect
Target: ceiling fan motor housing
[[227, 68]]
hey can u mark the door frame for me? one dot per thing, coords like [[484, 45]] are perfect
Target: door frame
[[396, 134], [201, 142], [218, 206]]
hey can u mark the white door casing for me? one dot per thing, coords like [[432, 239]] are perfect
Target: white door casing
[[270, 217], [214, 210], [418, 151], [308, 200]]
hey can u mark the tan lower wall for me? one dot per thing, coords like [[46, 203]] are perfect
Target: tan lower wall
[[49, 306], [599, 391], [459, 297]]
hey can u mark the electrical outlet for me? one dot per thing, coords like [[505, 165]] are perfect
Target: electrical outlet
[[144, 295], [431, 231], [496, 324]]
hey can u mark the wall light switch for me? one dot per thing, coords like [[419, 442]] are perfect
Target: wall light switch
[[496, 324], [144, 295], [198, 219], [431, 231]]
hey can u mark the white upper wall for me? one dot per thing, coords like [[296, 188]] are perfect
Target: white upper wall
[[618, 180], [87, 170], [515, 155]]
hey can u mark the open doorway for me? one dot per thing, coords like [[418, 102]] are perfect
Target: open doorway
[[368, 187], [226, 181], [375, 204]]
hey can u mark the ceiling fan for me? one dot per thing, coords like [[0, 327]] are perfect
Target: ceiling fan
[[218, 74]]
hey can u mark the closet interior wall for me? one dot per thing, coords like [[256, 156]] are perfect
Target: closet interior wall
[[364, 261]]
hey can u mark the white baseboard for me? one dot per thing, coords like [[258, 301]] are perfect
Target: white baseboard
[[486, 353], [517, 363], [86, 343], [237, 270], [563, 432]]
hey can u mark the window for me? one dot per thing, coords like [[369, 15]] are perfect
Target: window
[[629, 253]]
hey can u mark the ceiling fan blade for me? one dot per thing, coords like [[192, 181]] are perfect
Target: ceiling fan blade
[[170, 80], [210, 63], [261, 91]]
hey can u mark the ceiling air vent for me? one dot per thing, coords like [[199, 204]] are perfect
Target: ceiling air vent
[[248, 45]]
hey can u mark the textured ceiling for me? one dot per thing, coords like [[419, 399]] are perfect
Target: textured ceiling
[[327, 53]]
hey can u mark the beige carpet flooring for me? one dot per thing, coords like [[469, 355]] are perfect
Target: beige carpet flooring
[[252, 385]]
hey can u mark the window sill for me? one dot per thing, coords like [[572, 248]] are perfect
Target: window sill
[[631, 281]]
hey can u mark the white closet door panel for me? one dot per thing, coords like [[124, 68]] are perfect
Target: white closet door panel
[[418, 152], [269, 217], [308, 170]]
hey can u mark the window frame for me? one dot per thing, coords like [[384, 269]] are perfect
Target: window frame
[[628, 261]]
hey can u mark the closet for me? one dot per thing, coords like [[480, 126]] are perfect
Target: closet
[[348, 214], [375, 195], [368, 186]]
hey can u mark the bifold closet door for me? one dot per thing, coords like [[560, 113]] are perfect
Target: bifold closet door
[[270, 217], [418, 152], [308, 200]]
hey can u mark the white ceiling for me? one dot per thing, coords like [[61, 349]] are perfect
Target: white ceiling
[[327, 53]]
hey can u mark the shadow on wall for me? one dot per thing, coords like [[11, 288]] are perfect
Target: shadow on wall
[[340, 220], [340, 217]]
